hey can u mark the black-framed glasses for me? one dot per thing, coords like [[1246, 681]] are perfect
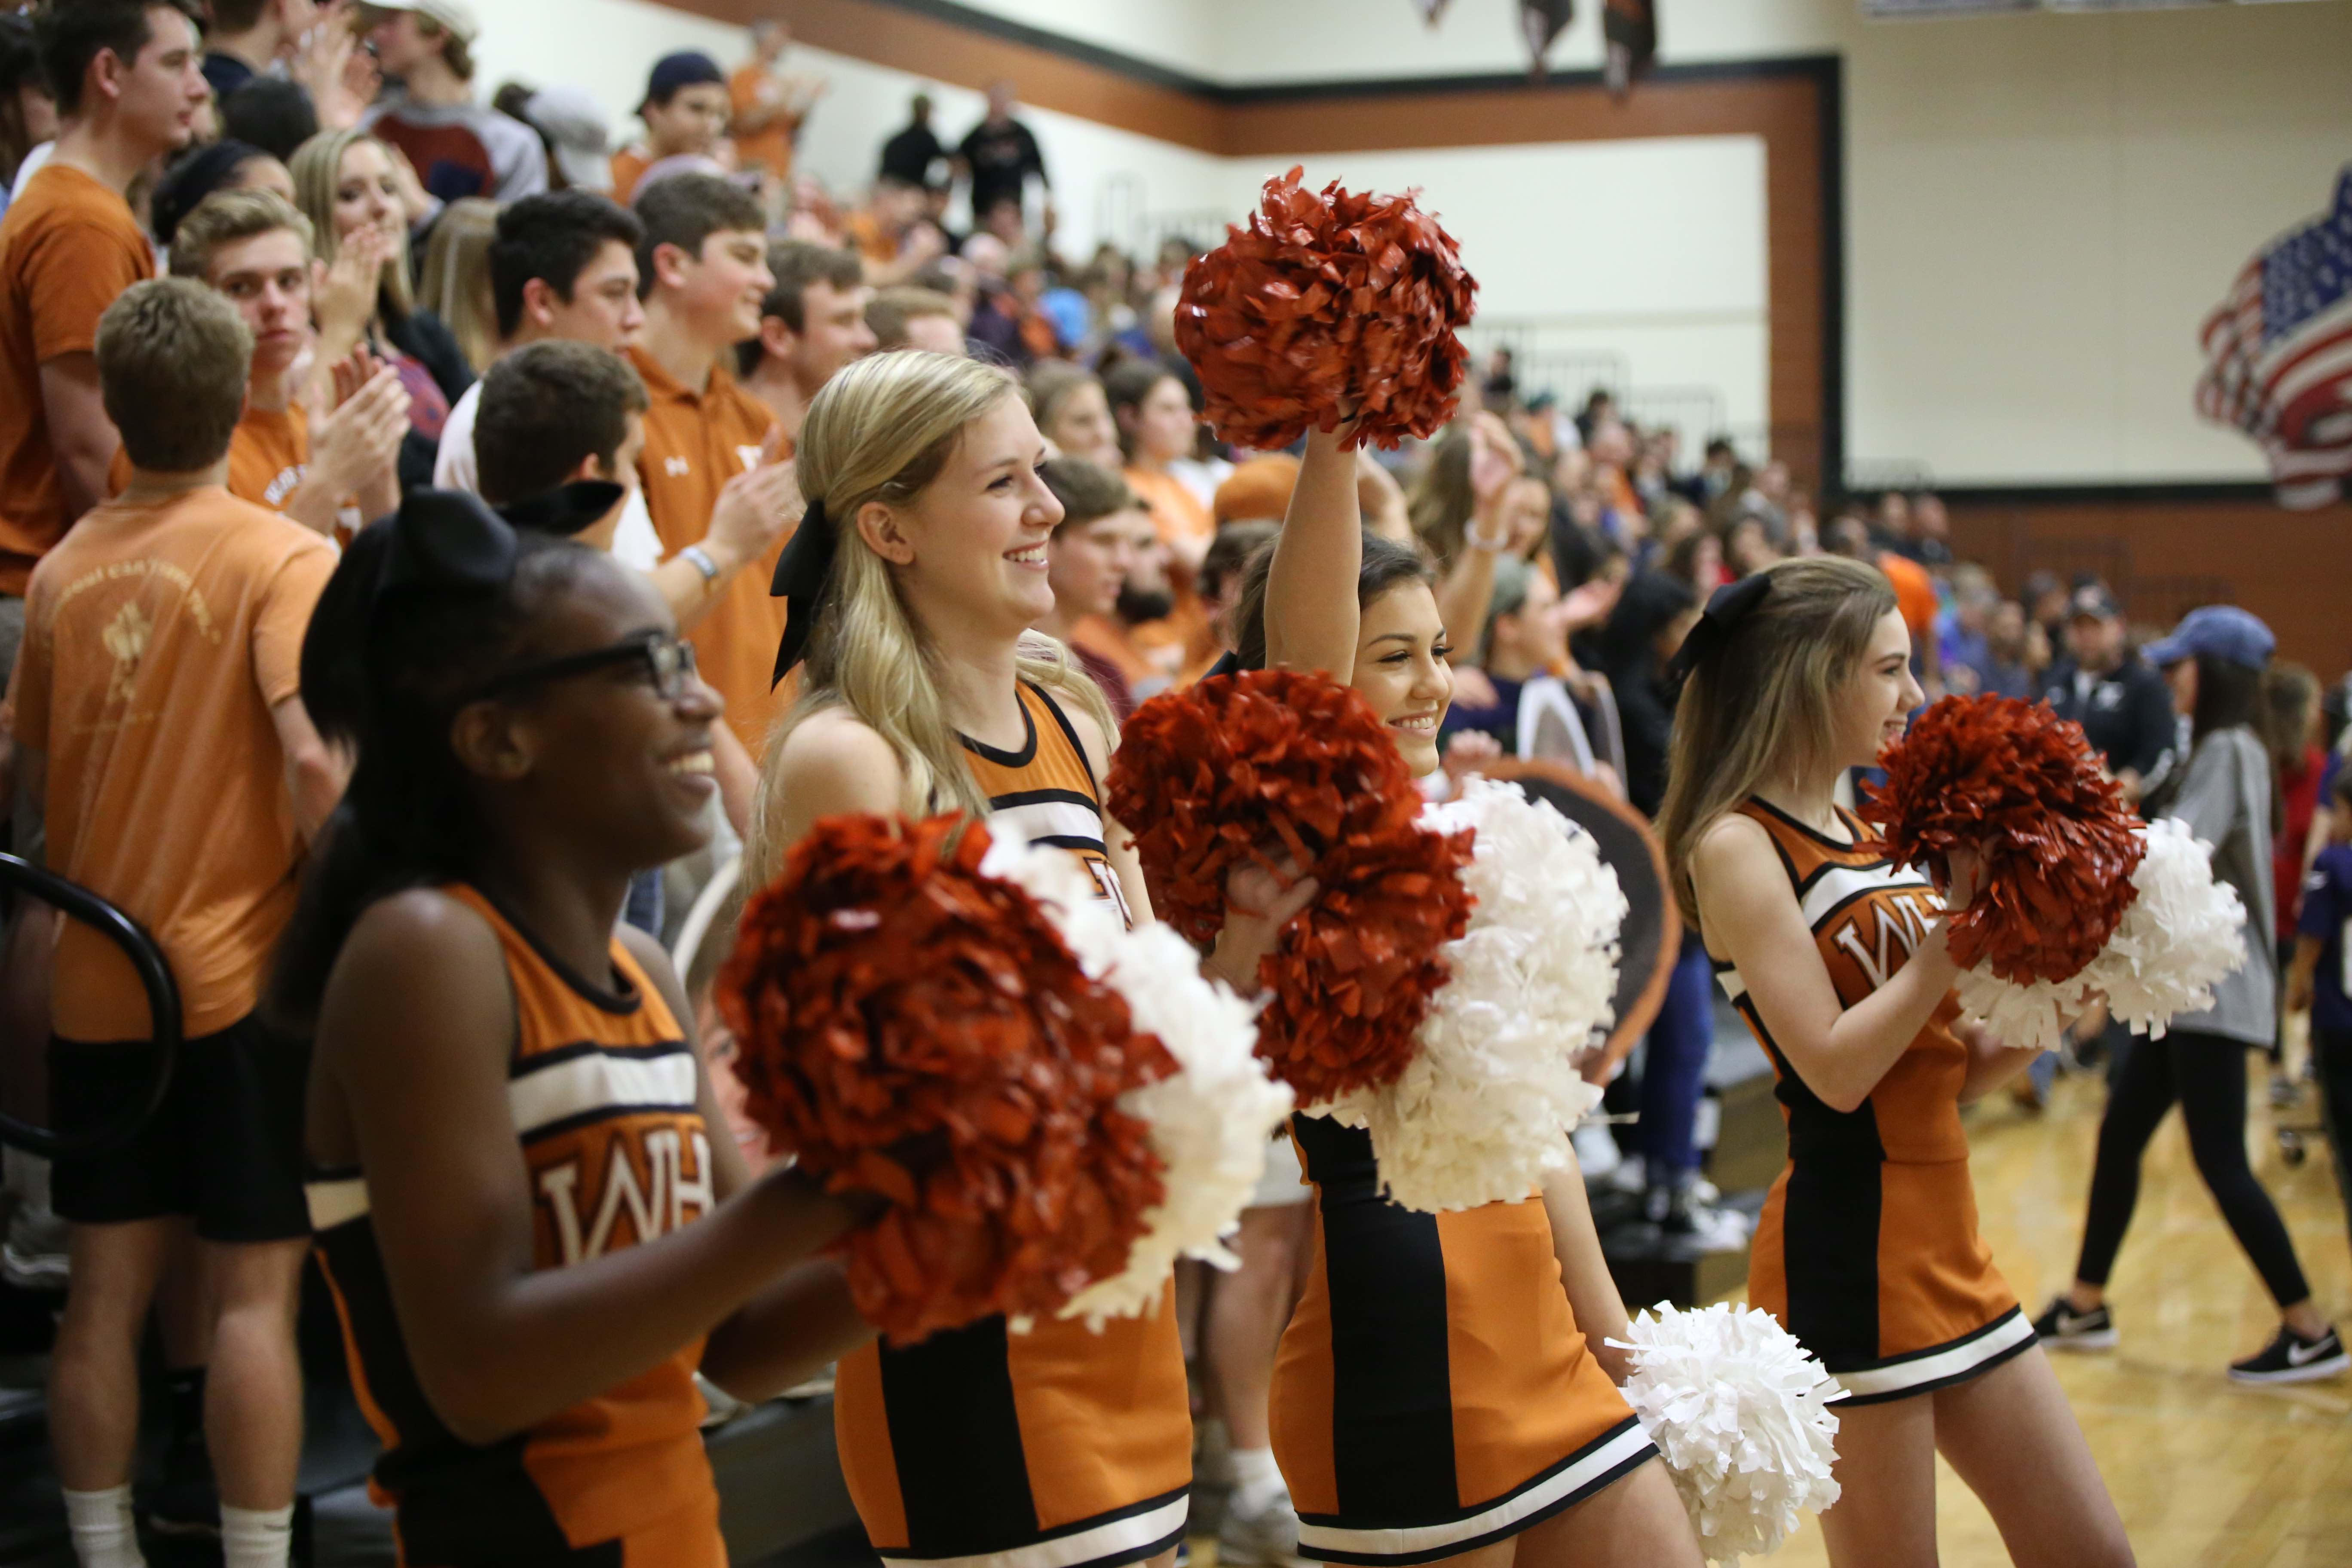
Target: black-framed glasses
[[669, 663]]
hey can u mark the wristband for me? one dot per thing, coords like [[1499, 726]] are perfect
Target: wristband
[[1476, 541], [702, 561]]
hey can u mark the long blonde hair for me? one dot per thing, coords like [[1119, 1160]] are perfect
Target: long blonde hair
[[457, 282], [881, 431], [317, 168], [1765, 702]]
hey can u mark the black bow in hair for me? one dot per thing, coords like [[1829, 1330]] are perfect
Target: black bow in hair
[[447, 539], [804, 572], [568, 510], [1726, 608]]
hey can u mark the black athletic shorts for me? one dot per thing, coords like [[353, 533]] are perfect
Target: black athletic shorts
[[225, 1147]]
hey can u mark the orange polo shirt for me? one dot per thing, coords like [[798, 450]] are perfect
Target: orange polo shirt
[[769, 148], [629, 166], [695, 443]]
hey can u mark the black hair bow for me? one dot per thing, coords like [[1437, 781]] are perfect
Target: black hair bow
[[1726, 608], [568, 510], [803, 576], [448, 539]]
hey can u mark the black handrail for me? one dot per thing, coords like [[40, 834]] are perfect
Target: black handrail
[[162, 1007]]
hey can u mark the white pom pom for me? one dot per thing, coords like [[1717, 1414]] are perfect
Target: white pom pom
[[1740, 1412], [2183, 932], [1210, 1119], [1484, 1111]]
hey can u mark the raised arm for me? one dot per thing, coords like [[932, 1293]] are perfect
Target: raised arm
[[1750, 914], [1312, 619], [416, 1035]]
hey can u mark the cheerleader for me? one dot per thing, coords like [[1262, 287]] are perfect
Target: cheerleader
[[911, 586], [533, 1236], [1867, 1250], [1444, 1391]]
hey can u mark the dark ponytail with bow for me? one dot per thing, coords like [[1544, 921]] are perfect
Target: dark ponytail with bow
[[426, 607]]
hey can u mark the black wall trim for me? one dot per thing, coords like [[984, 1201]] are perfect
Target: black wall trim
[[2109, 494], [1154, 74]]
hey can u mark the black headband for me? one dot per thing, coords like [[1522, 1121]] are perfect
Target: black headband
[[802, 573], [1726, 608]]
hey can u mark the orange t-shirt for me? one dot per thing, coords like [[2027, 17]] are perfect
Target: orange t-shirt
[[158, 637], [771, 147], [629, 166], [1914, 592], [695, 443], [69, 248], [862, 232], [1175, 510], [268, 453]]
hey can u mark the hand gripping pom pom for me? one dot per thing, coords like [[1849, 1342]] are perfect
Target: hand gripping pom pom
[[1484, 1110], [2020, 785], [913, 1028], [1328, 305], [1269, 764], [1210, 1120], [1740, 1413]]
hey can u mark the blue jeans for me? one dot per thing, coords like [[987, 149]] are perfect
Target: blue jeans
[[1673, 1071]]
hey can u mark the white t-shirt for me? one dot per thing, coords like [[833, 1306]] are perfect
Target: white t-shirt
[[634, 543]]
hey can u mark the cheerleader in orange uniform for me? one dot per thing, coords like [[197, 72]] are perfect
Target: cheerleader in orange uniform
[[532, 1239], [1444, 1391], [911, 586], [1867, 1250]]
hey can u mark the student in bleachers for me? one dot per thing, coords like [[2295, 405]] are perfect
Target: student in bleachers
[[458, 145], [164, 633], [911, 317], [1074, 414], [347, 187], [812, 323], [129, 90], [703, 274], [255, 248], [685, 114], [1086, 561]]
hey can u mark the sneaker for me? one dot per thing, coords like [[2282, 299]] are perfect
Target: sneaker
[[185, 1503], [2291, 1358], [2063, 1329], [1629, 1177], [1689, 1208], [33, 1266], [1267, 1538]]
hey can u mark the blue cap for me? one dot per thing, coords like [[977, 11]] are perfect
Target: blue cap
[[2217, 631], [672, 73]]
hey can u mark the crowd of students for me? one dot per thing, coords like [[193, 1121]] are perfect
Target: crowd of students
[[651, 356]]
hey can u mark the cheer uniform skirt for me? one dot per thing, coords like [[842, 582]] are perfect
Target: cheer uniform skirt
[[979, 1448], [1877, 1268], [1433, 1393]]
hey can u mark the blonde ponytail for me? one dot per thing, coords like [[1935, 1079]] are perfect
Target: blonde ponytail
[[882, 430]]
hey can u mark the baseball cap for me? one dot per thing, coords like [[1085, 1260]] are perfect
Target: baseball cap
[[2217, 631], [452, 15], [2093, 601], [673, 72], [574, 124]]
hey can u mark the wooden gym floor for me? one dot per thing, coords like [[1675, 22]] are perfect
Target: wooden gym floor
[[2205, 1473]]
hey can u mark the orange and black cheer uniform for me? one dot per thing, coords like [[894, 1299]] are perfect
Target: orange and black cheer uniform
[[603, 1090], [1059, 1448], [1433, 1393], [1867, 1250]]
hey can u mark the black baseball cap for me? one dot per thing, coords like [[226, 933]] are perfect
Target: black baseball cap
[[2091, 601], [673, 73]]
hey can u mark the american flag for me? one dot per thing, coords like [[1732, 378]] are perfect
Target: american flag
[[2278, 357]]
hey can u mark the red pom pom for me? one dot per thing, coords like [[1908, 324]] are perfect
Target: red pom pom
[[1258, 765], [911, 1027], [1326, 304], [2016, 783]]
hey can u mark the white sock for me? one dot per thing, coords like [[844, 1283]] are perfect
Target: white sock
[[256, 1537], [1257, 1479], [104, 1534]]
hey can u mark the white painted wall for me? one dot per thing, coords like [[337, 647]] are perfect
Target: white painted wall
[[1651, 250]]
